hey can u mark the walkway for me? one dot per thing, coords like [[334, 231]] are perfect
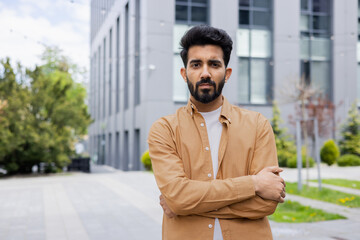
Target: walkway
[[110, 204]]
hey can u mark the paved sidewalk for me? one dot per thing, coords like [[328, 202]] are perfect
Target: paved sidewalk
[[110, 204]]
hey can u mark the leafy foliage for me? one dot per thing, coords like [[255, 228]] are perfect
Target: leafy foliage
[[350, 142], [145, 159], [329, 152], [348, 160], [42, 113], [292, 162], [285, 145]]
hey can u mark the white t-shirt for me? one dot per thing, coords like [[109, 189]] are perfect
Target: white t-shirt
[[214, 130]]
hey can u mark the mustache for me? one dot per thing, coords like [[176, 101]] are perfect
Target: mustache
[[206, 81]]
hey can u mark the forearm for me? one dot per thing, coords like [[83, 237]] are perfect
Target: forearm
[[185, 196], [254, 208]]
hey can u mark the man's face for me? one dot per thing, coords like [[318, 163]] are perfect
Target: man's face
[[205, 73]]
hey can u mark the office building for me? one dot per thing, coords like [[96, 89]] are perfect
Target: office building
[[135, 61]]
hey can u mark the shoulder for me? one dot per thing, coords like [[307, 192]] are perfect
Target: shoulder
[[170, 122], [163, 123]]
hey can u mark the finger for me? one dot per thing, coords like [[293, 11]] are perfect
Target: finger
[[274, 169], [281, 200], [283, 194], [160, 197], [282, 181]]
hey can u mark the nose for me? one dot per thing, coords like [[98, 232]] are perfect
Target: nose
[[205, 72]]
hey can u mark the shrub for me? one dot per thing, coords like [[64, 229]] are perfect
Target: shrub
[[350, 141], [329, 152], [348, 160], [292, 162], [145, 159], [285, 145]]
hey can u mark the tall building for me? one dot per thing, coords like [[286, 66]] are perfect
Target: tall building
[[135, 62]]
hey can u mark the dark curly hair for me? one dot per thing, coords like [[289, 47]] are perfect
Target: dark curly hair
[[204, 35]]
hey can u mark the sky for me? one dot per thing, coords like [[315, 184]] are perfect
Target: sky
[[26, 25]]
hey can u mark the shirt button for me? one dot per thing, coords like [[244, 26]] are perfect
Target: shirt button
[[202, 124], [210, 225], [209, 175], [207, 148]]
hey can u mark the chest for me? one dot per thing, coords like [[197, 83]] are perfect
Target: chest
[[235, 149]]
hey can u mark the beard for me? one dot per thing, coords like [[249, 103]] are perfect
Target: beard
[[204, 95]]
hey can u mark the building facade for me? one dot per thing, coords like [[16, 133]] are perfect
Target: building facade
[[135, 62]]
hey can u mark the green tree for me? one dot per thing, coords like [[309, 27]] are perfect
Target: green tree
[[350, 133], [285, 146], [44, 114]]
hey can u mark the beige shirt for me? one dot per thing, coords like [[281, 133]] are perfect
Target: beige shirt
[[181, 159]]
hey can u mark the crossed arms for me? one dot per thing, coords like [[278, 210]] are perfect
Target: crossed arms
[[253, 197]]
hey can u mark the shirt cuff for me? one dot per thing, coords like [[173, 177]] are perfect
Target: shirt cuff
[[244, 187]]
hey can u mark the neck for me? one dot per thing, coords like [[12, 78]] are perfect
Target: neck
[[207, 107]]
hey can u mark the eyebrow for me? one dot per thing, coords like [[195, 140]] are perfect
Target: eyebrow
[[215, 61], [195, 61], [210, 61]]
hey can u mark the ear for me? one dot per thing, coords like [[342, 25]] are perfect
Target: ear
[[183, 73], [228, 72]]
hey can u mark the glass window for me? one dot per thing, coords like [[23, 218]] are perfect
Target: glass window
[[261, 19], [321, 23], [198, 14], [243, 86], [244, 3], [254, 49], [315, 47], [200, 1], [258, 81], [304, 48], [261, 3], [304, 5], [180, 90], [191, 12], [321, 6], [304, 23], [305, 70], [179, 31], [320, 77], [260, 43], [243, 39], [320, 48], [244, 17], [181, 13]]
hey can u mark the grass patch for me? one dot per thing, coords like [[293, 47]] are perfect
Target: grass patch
[[294, 212], [341, 182], [327, 195]]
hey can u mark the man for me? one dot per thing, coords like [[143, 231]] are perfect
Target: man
[[214, 163]]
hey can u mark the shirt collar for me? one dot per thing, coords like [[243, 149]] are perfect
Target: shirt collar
[[225, 110]]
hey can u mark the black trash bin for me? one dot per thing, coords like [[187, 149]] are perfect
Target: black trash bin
[[79, 164]]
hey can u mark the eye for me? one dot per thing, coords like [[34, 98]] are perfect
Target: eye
[[195, 65]]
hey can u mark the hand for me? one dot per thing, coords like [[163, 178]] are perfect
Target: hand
[[269, 185], [166, 208]]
